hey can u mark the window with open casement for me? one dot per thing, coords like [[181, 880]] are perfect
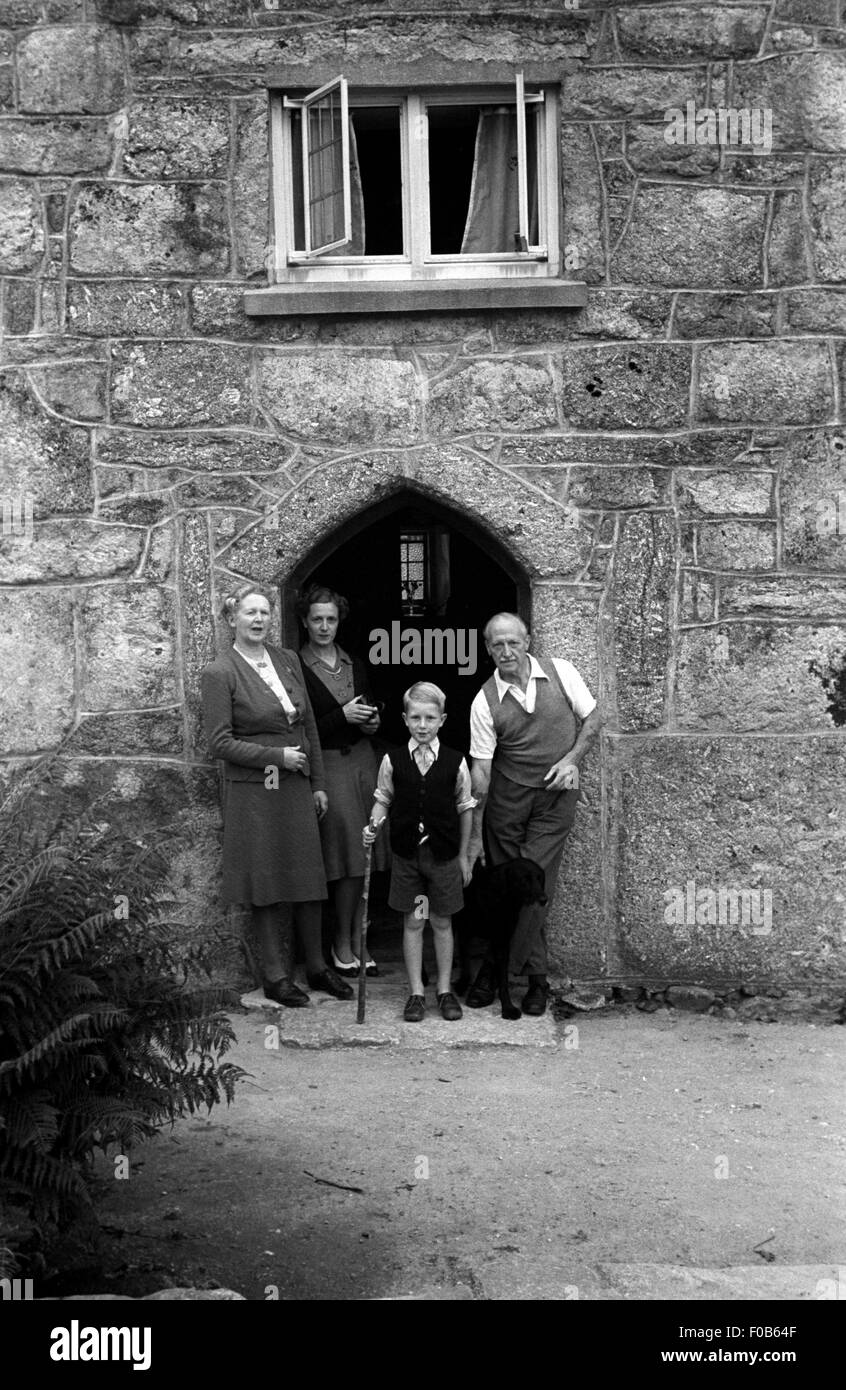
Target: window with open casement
[[389, 187]]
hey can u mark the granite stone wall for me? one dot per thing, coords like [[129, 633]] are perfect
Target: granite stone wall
[[667, 466]]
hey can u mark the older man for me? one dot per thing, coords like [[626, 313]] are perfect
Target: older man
[[530, 726]]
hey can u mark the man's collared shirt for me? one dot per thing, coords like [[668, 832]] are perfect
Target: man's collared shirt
[[482, 732], [384, 793]]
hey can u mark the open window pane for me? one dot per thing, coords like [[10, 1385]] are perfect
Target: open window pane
[[326, 189], [375, 177]]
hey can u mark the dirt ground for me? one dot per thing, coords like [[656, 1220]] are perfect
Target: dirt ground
[[644, 1156]]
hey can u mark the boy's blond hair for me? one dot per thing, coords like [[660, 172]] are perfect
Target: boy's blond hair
[[426, 694]]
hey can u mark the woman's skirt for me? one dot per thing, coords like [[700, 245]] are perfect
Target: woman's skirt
[[350, 781], [271, 843]]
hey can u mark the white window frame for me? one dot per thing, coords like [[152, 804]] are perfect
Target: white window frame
[[287, 265]]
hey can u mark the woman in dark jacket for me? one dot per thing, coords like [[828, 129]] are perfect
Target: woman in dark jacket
[[347, 719], [260, 723]]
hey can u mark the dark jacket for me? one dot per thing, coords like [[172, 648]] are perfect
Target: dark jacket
[[246, 725], [332, 726]]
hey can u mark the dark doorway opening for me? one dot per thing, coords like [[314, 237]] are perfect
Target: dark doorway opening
[[410, 566]]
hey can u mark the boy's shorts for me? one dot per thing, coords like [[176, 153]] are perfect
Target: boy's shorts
[[439, 882]]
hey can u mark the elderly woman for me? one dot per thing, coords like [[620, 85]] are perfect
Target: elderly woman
[[347, 719], [260, 722]]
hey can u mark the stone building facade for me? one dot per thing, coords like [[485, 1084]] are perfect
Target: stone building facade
[[659, 473]]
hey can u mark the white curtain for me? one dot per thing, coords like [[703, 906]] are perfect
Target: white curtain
[[493, 215]]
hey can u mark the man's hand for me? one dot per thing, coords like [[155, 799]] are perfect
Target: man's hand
[[321, 804], [369, 833], [562, 776], [465, 863]]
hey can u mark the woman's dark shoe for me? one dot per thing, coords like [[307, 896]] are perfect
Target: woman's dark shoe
[[415, 1008], [285, 992], [330, 983], [449, 1006], [351, 969]]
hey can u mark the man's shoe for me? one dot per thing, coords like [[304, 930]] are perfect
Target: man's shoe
[[536, 996], [285, 992], [330, 983], [415, 1009], [449, 1007], [482, 992]]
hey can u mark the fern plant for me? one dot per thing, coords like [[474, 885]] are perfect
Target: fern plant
[[102, 1039]]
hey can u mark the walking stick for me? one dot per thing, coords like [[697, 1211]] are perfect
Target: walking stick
[[362, 964]]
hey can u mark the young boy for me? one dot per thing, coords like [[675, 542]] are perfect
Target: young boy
[[427, 787]]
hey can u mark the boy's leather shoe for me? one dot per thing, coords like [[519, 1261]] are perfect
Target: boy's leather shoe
[[415, 1009], [330, 983], [483, 989], [536, 996], [285, 992], [449, 1007]]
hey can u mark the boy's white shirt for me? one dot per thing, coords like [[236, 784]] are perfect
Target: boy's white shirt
[[482, 732]]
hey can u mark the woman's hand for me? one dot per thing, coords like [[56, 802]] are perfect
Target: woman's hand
[[357, 711], [321, 804], [372, 725], [294, 759], [369, 833]]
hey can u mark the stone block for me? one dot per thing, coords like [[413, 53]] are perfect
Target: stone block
[[123, 228], [340, 397], [786, 257], [126, 308], [19, 306], [724, 492], [577, 928], [510, 395], [40, 456], [714, 315], [813, 499], [643, 579], [566, 623], [692, 998], [144, 734], [639, 387], [74, 389], [776, 596], [36, 693], [218, 311], [250, 195], [608, 93], [806, 93], [596, 489], [698, 598], [788, 383], [36, 146], [172, 139], [650, 153], [127, 649], [752, 676], [609, 313], [79, 69], [22, 239], [828, 217], [24, 13], [72, 549], [582, 236], [747, 168], [173, 456], [741, 833], [198, 627], [693, 237], [736, 545], [806, 11], [815, 311], [177, 384], [679, 33]]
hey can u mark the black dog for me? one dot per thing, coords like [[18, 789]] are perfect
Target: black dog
[[492, 903]]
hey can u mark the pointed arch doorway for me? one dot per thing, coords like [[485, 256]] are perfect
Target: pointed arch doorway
[[422, 580]]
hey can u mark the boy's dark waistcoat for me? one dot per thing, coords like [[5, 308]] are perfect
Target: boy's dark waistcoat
[[429, 801]]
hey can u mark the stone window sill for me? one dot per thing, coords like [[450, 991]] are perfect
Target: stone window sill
[[403, 296]]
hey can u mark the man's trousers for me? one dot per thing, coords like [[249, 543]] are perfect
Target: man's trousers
[[528, 823]]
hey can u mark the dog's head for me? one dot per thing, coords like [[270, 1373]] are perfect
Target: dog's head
[[523, 880]]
